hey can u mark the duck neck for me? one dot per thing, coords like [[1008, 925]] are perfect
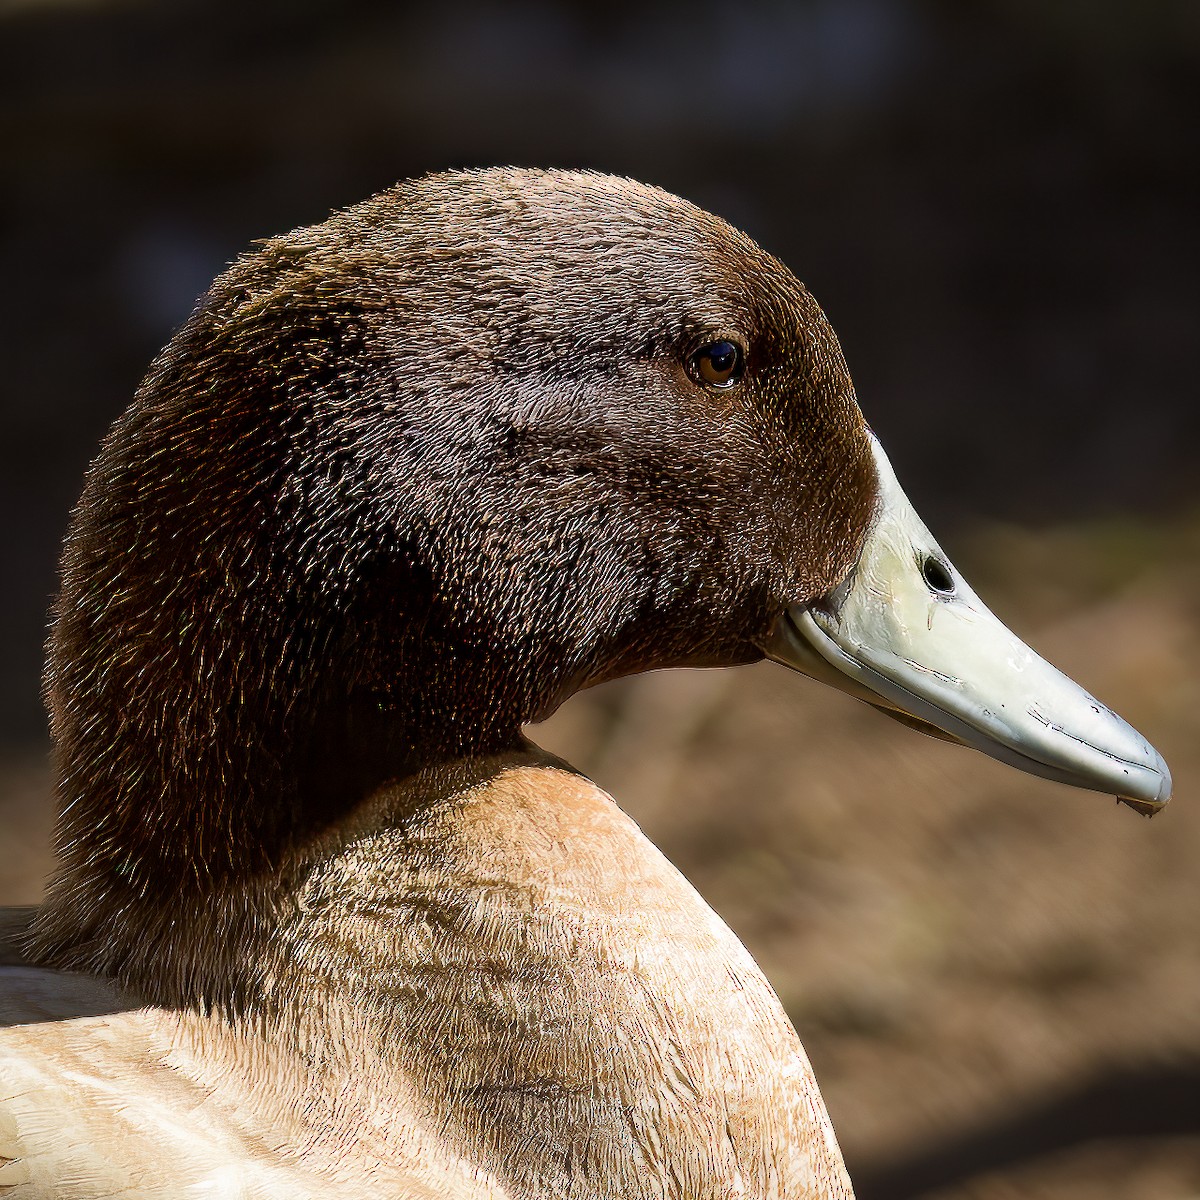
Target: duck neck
[[207, 769], [225, 830]]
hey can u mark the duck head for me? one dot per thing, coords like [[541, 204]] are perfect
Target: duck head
[[409, 478]]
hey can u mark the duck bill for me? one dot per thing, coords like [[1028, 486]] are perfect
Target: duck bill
[[906, 634]]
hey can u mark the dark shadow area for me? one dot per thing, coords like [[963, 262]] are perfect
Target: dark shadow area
[[1123, 1104], [34, 995], [14, 926]]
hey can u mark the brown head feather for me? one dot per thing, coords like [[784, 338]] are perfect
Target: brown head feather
[[405, 481]]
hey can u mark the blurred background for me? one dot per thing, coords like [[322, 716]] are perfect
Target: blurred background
[[998, 979]]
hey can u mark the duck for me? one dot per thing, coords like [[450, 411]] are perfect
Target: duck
[[325, 921]]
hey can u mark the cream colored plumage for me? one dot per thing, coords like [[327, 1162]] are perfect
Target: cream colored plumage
[[541, 994]]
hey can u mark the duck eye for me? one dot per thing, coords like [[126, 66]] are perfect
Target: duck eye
[[718, 364]]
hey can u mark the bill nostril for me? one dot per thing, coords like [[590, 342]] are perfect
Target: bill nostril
[[937, 575]]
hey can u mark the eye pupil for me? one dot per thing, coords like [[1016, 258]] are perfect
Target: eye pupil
[[718, 364]]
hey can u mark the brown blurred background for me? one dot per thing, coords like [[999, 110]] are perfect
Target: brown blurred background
[[998, 979]]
